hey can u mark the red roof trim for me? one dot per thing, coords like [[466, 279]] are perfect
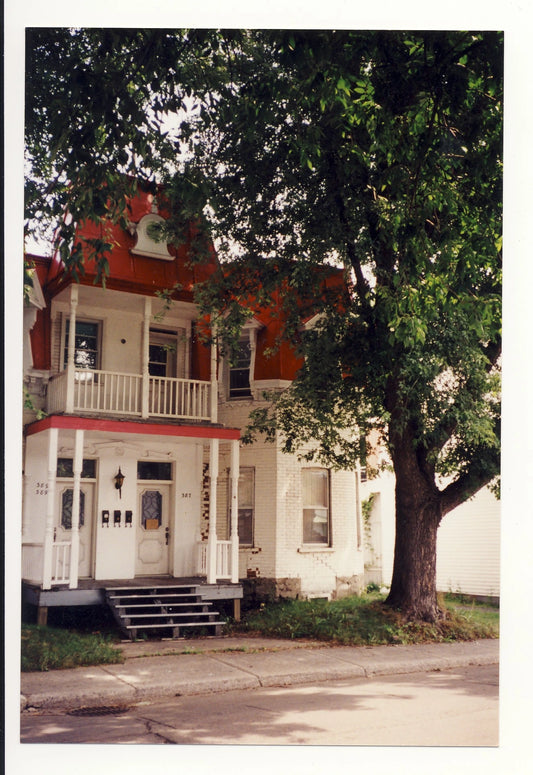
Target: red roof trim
[[127, 426]]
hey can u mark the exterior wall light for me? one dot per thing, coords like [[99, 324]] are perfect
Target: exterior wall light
[[119, 481]]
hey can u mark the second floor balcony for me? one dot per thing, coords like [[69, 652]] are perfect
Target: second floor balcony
[[102, 392]]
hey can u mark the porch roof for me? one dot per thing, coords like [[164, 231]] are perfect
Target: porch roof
[[71, 422]]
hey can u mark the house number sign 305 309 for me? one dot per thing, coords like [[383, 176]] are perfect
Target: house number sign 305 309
[[41, 488]]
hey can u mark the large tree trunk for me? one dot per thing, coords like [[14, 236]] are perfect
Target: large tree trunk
[[418, 514]]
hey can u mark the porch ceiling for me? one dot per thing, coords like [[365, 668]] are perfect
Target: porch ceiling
[[109, 298]]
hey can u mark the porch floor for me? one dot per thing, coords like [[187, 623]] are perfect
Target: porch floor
[[92, 591]]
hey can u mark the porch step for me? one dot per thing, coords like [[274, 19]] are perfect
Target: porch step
[[161, 611]]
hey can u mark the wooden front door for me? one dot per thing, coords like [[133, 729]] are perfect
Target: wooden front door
[[153, 530], [63, 526]]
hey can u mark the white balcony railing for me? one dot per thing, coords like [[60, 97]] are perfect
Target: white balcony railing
[[181, 398], [223, 554], [109, 392], [33, 562], [61, 562]]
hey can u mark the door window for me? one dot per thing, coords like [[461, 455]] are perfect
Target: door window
[[151, 509], [67, 500]]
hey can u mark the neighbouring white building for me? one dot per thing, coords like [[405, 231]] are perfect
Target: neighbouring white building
[[468, 541]]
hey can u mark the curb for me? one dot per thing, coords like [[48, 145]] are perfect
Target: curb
[[156, 677]]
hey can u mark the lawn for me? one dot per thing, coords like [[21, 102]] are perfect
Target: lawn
[[50, 648], [355, 621], [365, 621]]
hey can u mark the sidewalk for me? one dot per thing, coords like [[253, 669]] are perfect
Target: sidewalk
[[176, 668]]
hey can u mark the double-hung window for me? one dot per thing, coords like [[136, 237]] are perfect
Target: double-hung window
[[86, 345], [246, 506], [316, 506], [239, 370]]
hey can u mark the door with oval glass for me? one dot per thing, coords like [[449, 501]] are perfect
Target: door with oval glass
[[63, 526], [153, 530]]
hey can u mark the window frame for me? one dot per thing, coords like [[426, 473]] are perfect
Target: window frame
[[316, 507], [243, 470], [167, 341], [246, 391], [97, 350]]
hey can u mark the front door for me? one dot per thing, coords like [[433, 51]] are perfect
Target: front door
[[63, 527], [153, 530]]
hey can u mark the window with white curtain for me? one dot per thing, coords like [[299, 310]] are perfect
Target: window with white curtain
[[316, 509]]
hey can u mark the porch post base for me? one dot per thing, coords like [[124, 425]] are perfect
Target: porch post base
[[42, 615]]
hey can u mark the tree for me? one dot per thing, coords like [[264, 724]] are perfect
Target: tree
[[375, 152]]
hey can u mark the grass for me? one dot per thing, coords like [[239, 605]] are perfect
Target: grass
[[365, 621], [355, 621], [48, 648]]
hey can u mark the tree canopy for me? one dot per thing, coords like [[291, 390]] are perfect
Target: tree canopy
[[376, 152]]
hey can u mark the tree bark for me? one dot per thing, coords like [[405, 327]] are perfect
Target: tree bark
[[418, 515], [414, 578]]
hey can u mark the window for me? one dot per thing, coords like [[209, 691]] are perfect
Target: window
[[162, 354], [67, 501], [86, 350], [151, 509], [239, 370], [246, 506], [152, 470], [65, 468], [315, 500]]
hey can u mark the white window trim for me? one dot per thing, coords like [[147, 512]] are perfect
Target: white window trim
[[309, 546], [248, 333], [81, 319], [251, 545]]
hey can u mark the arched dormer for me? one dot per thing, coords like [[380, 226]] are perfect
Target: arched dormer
[[146, 245]]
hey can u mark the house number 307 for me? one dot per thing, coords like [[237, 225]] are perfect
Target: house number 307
[[185, 494]]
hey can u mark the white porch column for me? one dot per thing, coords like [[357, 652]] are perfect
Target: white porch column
[[214, 377], [145, 382], [75, 535], [69, 404], [234, 511], [212, 537], [50, 507]]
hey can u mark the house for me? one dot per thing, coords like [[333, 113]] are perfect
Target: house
[[134, 475], [468, 541]]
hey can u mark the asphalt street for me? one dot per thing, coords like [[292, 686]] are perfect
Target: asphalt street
[[451, 707]]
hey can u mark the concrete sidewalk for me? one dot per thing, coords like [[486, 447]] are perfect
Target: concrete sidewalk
[[176, 668]]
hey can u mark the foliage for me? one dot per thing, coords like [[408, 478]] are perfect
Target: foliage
[[349, 177], [365, 621], [47, 648]]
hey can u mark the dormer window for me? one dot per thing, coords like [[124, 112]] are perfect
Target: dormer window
[[146, 245]]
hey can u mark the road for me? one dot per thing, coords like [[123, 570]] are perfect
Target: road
[[456, 707]]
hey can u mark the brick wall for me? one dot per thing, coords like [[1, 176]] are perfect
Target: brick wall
[[278, 563]]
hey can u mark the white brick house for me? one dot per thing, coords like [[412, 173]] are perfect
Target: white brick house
[[135, 470]]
